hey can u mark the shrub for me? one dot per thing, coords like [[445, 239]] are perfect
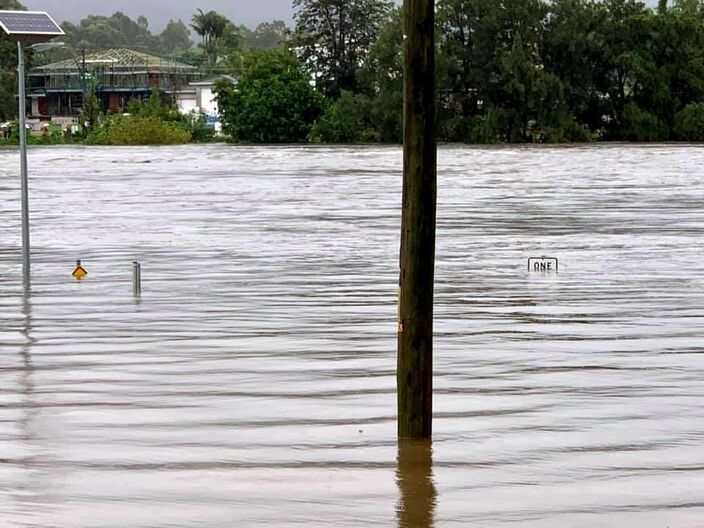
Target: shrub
[[489, 128], [641, 125], [131, 130], [53, 136], [689, 123], [345, 121], [196, 123], [387, 116], [454, 128], [567, 130], [158, 105]]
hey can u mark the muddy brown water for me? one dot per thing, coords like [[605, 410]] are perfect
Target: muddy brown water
[[253, 383]]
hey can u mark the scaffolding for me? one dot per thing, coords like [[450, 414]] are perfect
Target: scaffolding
[[119, 75]]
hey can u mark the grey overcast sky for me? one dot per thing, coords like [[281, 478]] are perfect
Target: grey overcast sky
[[158, 12]]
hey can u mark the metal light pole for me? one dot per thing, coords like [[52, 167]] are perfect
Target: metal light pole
[[24, 183], [26, 27]]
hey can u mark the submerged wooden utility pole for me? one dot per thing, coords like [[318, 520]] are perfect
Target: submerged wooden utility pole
[[415, 327]]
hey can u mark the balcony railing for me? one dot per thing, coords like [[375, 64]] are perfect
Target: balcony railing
[[107, 82]]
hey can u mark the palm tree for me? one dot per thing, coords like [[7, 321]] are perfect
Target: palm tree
[[199, 23], [211, 27]]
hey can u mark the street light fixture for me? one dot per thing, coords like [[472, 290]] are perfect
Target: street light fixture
[[26, 28], [44, 46]]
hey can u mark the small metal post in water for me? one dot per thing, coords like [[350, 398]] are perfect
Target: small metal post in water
[[137, 278]]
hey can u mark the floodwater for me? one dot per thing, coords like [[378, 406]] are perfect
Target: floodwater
[[253, 383]]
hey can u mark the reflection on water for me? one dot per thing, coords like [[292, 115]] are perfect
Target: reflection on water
[[27, 382], [30, 491], [254, 384], [416, 508]]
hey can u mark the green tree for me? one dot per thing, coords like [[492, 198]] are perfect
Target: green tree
[[91, 106], [490, 63], [381, 79], [468, 59], [101, 32], [530, 97], [273, 101], [335, 36], [623, 40], [12, 5], [573, 51], [671, 66], [175, 38], [268, 35]]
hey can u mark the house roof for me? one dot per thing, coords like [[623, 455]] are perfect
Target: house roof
[[192, 87], [212, 80], [118, 58]]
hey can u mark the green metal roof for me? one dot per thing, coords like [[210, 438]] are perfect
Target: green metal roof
[[117, 58]]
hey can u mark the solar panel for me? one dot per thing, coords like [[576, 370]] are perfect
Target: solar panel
[[29, 23]]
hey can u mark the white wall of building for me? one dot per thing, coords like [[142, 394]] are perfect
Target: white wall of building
[[187, 103], [207, 100], [200, 97]]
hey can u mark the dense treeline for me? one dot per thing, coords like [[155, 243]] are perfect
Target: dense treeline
[[536, 71], [527, 70], [511, 71]]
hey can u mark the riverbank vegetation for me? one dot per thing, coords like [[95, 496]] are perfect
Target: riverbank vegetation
[[515, 71], [152, 121]]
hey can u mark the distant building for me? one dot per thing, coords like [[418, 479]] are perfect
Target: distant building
[[199, 96], [119, 75]]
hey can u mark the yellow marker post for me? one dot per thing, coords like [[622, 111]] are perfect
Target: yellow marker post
[[80, 272]]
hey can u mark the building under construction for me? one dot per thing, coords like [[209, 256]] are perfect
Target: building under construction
[[118, 76]]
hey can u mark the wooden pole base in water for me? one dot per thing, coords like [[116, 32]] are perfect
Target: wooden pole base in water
[[415, 329]]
